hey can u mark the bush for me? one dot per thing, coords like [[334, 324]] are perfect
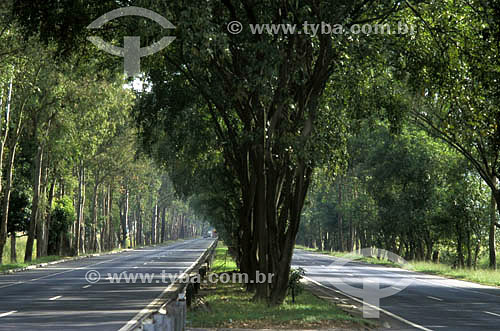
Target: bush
[[62, 216], [294, 285]]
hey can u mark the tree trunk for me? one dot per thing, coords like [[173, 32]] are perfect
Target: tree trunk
[[78, 245], [460, 254], [492, 229], [111, 227], [93, 233], [82, 246], [261, 226], [153, 224], [124, 218], [341, 226], [34, 208], [41, 227], [13, 147], [49, 219], [105, 226], [13, 252], [140, 238], [469, 247], [6, 199], [163, 225]]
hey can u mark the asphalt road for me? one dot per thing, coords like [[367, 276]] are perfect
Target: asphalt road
[[429, 302], [59, 297]]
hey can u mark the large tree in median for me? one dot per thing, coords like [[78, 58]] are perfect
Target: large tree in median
[[264, 97]]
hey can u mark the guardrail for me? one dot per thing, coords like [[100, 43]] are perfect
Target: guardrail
[[169, 312]]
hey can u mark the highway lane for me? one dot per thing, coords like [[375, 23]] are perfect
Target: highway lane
[[430, 302], [58, 297]]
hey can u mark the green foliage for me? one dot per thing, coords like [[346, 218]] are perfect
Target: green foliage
[[407, 193], [63, 215], [294, 284], [19, 211]]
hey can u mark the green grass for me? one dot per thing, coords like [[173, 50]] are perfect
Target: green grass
[[229, 305], [223, 262], [481, 276], [45, 259], [20, 249]]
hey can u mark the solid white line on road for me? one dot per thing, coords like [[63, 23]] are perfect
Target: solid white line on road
[[55, 298], [86, 286], [397, 288], [410, 272], [420, 327], [487, 312], [9, 313], [434, 298]]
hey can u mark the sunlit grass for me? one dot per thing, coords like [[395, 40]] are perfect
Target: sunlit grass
[[45, 259], [20, 249], [481, 276]]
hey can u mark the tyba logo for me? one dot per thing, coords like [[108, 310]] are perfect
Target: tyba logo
[[131, 51]]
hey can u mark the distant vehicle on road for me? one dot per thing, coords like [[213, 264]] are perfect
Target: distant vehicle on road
[[210, 234]]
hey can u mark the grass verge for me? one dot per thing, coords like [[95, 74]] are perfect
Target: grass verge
[[45, 259], [480, 276], [230, 306]]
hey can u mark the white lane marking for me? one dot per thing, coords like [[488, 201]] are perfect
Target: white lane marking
[[434, 298], [487, 312], [8, 313], [187, 250], [397, 288], [420, 327], [86, 286], [161, 262], [82, 268], [414, 274], [55, 298], [62, 272], [149, 308]]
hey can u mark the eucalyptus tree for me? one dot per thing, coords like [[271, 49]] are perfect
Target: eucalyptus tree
[[453, 64], [28, 94]]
